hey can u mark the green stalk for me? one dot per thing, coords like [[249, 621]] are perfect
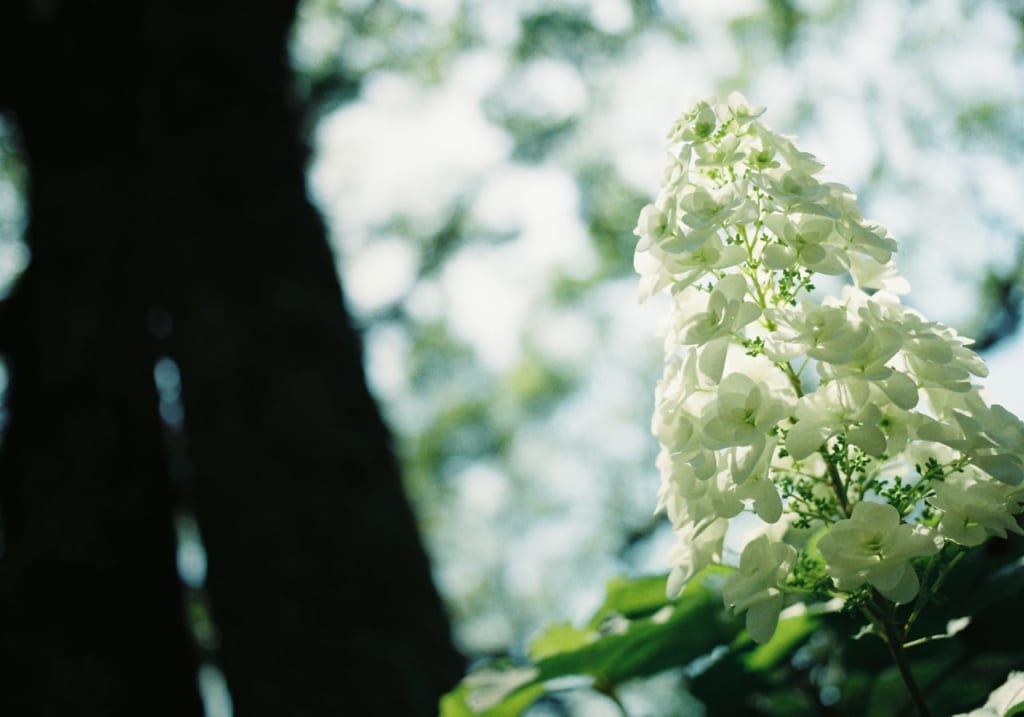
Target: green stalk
[[610, 693], [893, 635], [837, 485], [894, 641]]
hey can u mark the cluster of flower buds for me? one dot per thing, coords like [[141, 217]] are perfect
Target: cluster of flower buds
[[849, 418]]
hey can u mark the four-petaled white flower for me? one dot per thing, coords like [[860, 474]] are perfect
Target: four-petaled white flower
[[874, 546], [756, 587], [975, 507], [697, 547], [805, 241], [702, 209], [742, 412], [718, 314]]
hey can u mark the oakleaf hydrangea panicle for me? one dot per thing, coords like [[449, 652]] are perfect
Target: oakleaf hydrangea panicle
[[850, 417]]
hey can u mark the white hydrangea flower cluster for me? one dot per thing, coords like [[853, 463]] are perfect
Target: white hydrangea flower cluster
[[853, 415]]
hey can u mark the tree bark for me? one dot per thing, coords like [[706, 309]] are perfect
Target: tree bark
[[166, 180]]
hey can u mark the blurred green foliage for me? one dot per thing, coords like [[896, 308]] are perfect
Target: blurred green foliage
[[817, 663]]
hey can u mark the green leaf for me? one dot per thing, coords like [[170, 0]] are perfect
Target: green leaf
[[632, 597], [637, 632], [673, 636], [562, 637], [643, 596], [453, 704], [457, 702], [790, 634], [516, 703]]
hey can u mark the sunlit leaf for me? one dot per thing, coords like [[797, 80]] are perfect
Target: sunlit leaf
[[789, 635], [674, 635], [457, 703], [562, 637]]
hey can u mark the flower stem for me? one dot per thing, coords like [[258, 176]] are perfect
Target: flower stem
[[893, 636], [837, 485], [609, 692], [794, 378], [894, 640]]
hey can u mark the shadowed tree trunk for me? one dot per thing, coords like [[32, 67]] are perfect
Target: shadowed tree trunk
[[168, 216]]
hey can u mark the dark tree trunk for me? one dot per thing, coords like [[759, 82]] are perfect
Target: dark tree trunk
[[166, 180]]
